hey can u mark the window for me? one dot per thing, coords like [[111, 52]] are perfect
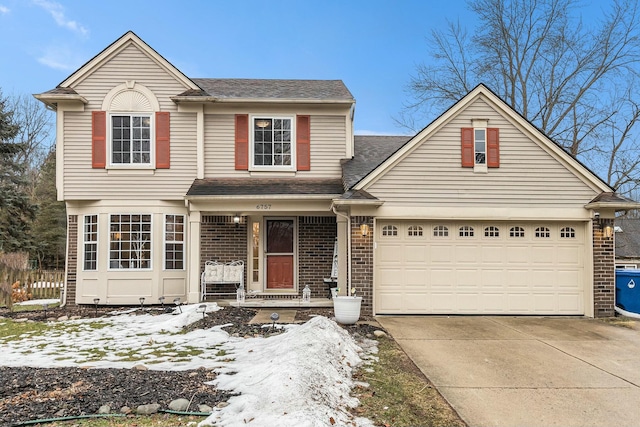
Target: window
[[491, 231], [480, 146], [466, 231], [90, 242], [440, 231], [516, 232], [414, 231], [130, 241], [272, 141], [389, 230], [131, 139], [542, 232], [255, 251], [174, 242], [567, 233]]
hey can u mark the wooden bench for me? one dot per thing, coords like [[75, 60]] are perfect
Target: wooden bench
[[216, 275]]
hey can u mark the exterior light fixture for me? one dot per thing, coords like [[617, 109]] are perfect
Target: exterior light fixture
[[274, 317], [141, 303], [236, 220], [177, 302], [364, 229], [96, 301], [44, 307], [202, 308], [608, 231], [161, 299]]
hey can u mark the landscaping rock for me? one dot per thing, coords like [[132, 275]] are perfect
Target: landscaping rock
[[149, 409], [62, 318], [179, 405], [104, 409], [379, 334], [222, 405], [206, 409], [125, 410], [140, 367]]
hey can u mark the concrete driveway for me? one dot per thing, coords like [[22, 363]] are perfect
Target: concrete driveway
[[527, 371]]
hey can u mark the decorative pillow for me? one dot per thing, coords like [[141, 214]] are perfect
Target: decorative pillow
[[233, 273], [213, 273]]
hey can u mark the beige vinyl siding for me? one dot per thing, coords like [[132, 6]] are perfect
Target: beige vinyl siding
[[431, 175], [328, 146], [130, 64], [82, 182]]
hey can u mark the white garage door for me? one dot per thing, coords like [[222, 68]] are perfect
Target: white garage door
[[479, 268]]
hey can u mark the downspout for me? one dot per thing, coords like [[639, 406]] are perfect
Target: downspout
[[348, 218], [63, 301]]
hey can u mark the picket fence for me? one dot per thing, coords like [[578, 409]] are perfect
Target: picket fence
[[34, 284]]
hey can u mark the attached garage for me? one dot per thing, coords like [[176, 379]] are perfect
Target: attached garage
[[427, 267]]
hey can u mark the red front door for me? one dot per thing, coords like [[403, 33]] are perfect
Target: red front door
[[280, 254]]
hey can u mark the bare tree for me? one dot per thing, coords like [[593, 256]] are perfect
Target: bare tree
[[578, 84]]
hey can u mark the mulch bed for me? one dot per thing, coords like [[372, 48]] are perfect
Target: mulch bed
[[33, 393]]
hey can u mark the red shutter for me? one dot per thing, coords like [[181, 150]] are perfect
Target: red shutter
[[493, 147], [98, 139], [242, 141], [163, 140], [303, 143], [467, 148]]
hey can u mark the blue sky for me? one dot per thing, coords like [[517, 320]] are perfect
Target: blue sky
[[372, 45]]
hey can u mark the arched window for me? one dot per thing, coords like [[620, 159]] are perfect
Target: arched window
[[389, 230], [516, 232], [466, 231], [491, 231], [567, 233], [414, 231], [542, 232], [440, 231]]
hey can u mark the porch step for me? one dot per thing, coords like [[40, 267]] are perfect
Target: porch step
[[264, 316], [279, 303]]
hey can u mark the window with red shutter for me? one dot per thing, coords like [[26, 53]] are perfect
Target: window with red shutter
[[493, 147], [480, 147], [467, 148]]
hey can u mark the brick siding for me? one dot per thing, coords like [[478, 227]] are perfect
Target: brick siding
[[72, 260], [316, 237], [603, 270], [362, 262]]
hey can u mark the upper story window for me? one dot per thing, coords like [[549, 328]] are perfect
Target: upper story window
[[272, 142], [480, 146], [131, 139]]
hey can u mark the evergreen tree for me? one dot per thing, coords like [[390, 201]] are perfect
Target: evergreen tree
[[50, 224], [16, 210]]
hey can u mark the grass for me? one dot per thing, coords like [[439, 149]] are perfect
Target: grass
[[399, 395]]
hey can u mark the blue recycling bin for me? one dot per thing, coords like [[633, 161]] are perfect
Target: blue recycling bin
[[628, 290]]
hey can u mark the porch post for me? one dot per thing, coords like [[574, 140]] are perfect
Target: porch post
[[342, 231], [193, 273]]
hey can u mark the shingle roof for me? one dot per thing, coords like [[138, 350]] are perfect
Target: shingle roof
[[260, 186], [628, 240], [273, 89], [370, 152]]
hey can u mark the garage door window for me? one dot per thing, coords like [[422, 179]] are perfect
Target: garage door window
[[440, 231], [543, 232], [466, 231], [414, 231], [567, 233], [389, 230], [516, 232], [491, 231]]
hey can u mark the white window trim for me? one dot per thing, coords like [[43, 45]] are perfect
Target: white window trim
[[84, 242], [152, 141], [480, 124], [262, 168], [109, 268], [165, 241]]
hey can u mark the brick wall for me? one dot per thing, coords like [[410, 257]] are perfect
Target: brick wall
[[72, 260], [603, 270], [316, 237], [222, 241], [362, 262]]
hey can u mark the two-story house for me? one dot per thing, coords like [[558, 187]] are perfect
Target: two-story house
[[478, 213]]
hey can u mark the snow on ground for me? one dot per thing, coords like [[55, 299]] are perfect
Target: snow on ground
[[299, 378], [38, 302]]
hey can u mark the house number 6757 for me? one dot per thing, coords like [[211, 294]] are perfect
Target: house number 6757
[[264, 206]]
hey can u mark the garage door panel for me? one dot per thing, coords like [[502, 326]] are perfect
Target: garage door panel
[[480, 275]]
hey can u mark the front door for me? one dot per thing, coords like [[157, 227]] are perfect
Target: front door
[[280, 253]]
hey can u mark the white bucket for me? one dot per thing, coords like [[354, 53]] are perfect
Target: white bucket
[[347, 309]]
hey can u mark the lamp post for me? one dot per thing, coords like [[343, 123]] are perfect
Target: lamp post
[[176, 301], [96, 301], [141, 303], [161, 299]]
